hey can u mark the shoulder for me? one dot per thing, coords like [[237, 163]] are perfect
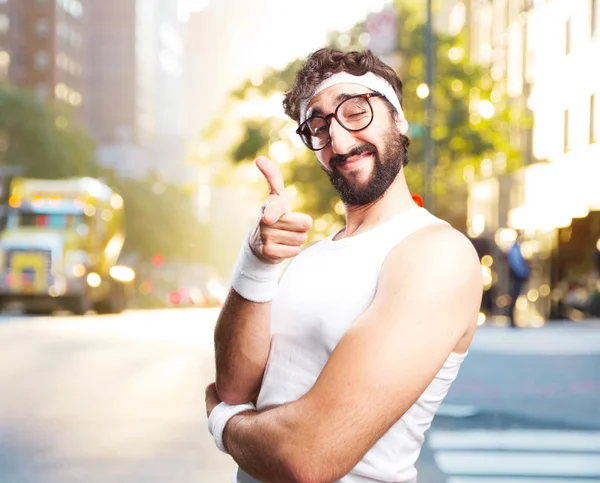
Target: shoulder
[[435, 257]]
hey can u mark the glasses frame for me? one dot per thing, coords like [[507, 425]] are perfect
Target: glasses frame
[[327, 118]]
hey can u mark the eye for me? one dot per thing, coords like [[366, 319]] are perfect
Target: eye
[[321, 130], [356, 114], [318, 127]]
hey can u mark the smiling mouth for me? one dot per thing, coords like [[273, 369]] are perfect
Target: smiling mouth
[[353, 160]]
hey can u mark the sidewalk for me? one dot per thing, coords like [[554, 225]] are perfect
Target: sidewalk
[[554, 338]]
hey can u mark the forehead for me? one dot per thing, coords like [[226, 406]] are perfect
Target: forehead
[[327, 100]]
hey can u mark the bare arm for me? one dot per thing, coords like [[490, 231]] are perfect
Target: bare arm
[[243, 333], [242, 342], [377, 371]]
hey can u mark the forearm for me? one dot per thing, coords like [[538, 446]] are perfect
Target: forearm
[[264, 444], [242, 343]]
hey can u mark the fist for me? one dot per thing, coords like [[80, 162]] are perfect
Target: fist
[[280, 233]]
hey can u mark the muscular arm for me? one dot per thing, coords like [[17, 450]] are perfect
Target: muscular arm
[[428, 298], [242, 333], [242, 342]]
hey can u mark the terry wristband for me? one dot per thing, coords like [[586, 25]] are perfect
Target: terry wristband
[[219, 417], [253, 279]]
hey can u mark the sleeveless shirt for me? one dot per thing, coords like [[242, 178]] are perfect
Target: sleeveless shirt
[[322, 292]]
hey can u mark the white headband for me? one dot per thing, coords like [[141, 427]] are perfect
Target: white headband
[[369, 80]]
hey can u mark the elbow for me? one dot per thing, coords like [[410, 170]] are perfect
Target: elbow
[[305, 472], [308, 466], [231, 394]]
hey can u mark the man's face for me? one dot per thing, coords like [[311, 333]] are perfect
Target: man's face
[[361, 165]]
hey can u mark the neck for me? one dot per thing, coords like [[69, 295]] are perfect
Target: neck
[[396, 200]]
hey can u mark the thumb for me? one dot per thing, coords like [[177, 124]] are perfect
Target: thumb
[[272, 174]]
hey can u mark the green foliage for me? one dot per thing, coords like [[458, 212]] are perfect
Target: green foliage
[[46, 143], [42, 139], [255, 139], [462, 137], [159, 219]]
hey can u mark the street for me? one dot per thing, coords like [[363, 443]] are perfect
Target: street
[[121, 398]]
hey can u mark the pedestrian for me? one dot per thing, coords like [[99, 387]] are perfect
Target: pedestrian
[[597, 256], [519, 273], [334, 371]]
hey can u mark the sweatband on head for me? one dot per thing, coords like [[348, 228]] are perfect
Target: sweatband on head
[[252, 278], [369, 80], [219, 418]]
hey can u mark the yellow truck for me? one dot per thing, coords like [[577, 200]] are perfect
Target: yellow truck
[[60, 247]]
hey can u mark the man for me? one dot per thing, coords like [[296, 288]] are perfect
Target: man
[[519, 273], [334, 372]]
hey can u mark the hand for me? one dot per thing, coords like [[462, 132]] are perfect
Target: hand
[[280, 232], [211, 398]]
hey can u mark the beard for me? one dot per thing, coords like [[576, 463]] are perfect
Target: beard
[[385, 171]]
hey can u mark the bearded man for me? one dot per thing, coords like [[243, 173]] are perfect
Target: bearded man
[[334, 371]]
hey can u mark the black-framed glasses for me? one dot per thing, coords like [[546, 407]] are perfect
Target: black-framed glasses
[[353, 114]]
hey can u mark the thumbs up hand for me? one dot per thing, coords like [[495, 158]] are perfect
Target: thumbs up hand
[[280, 233]]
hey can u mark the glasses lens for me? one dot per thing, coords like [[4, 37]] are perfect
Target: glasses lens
[[315, 132], [355, 113]]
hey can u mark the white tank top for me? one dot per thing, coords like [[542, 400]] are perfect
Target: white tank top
[[322, 292]]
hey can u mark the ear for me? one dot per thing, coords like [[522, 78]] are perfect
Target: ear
[[401, 122]]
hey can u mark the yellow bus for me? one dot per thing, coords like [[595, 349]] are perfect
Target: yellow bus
[[61, 245]]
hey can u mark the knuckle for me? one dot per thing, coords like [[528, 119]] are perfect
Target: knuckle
[[264, 236], [295, 251], [269, 251]]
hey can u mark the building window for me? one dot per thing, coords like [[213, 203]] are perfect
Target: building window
[[568, 37], [74, 7], [566, 133], [42, 28], [41, 60], [4, 23], [4, 64], [593, 17], [42, 90], [594, 121]]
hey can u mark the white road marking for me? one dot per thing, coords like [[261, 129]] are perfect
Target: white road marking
[[516, 439], [499, 463]]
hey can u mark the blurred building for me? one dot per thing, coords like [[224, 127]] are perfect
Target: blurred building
[[42, 49], [135, 86], [111, 70], [207, 79], [542, 56], [110, 27]]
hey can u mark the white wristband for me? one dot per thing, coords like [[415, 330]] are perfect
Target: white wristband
[[219, 417], [253, 279]]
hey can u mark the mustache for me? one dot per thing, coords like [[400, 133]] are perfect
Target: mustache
[[340, 159]]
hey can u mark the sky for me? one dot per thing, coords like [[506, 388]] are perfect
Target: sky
[[286, 29]]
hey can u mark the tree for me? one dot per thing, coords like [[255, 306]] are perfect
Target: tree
[[471, 123], [42, 139], [46, 143], [160, 219]]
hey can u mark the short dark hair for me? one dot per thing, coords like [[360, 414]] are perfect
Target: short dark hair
[[325, 62]]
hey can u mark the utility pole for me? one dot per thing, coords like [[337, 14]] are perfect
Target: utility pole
[[429, 155]]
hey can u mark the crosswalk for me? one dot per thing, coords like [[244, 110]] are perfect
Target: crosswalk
[[517, 455]]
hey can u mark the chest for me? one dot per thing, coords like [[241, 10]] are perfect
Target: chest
[[320, 296]]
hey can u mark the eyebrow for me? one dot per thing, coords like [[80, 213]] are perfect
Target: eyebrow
[[339, 98]]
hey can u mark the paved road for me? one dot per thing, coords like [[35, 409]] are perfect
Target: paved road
[[108, 400], [120, 399], [524, 409]]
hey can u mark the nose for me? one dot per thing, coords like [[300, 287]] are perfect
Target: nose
[[342, 141]]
